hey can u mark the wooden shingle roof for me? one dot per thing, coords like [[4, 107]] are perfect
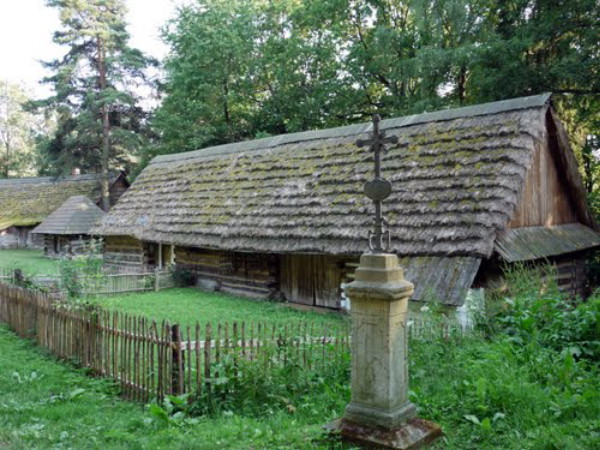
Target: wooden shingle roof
[[28, 201], [525, 244], [78, 215], [457, 176]]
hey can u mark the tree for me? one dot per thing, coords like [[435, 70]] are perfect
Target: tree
[[546, 46], [246, 68], [97, 85], [18, 131]]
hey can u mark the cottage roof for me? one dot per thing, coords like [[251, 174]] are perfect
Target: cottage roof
[[525, 244], [457, 176], [28, 201], [78, 215]]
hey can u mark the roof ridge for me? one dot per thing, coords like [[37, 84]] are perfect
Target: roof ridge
[[55, 179], [502, 106]]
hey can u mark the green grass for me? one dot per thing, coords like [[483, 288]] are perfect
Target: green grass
[[44, 404], [495, 395], [188, 305], [529, 379], [32, 262]]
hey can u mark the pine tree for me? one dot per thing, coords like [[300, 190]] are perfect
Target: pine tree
[[96, 86]]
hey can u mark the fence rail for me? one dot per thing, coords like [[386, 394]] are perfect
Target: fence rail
[[151, 360], [106, 282]]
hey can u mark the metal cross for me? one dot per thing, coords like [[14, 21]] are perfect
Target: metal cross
[[379, 188]]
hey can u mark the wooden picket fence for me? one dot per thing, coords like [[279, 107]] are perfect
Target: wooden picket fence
[[107, 282], [151, 360]]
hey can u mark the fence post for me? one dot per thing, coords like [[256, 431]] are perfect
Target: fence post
[[177, 360], [18, 277], [156, 279]]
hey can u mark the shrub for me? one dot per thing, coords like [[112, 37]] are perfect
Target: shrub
[[269, 384], [537, 311], [80, 273], [183, 277]]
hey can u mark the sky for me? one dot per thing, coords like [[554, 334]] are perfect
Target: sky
[[26, 28]]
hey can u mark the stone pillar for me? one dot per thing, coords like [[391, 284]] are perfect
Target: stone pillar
[[380, 412]]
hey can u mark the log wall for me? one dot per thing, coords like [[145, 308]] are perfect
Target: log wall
[[123, 251], [248, 274], [570, 274], [9, 238], [544, 200], [58, 245], [20, 237]]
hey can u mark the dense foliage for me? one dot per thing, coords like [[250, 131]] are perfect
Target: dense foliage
[[247, 68], [19, 132]]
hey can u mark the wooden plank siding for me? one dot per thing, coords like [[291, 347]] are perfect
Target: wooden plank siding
[[117, 189], [544, 200], [313, 280]]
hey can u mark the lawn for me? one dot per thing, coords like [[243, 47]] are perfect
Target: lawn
[[188, 305], [487, 392], [528, 378], [32, 262], [44, 404]]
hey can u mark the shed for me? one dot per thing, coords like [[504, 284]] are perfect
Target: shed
[[286, 215], [68, 229], [26, 202]]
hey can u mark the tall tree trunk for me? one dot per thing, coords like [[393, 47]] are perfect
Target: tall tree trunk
[[462, 81], [105, 128], [6, 136], [7, 166]]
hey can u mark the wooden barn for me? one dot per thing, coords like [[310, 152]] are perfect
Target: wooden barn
[[26, 202], [285, 216], [67, 231]]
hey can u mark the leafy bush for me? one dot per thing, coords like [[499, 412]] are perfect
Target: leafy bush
[[79, 273], [267, 385], [528, 378], [183, 277], [538, 312]]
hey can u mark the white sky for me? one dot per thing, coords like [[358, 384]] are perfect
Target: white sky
[[26, 28]]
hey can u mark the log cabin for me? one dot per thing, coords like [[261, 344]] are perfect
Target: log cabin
[[285, 217], [67, 231], [26, 202]]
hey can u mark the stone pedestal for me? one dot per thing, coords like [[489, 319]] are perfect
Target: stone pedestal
[[380, 412]]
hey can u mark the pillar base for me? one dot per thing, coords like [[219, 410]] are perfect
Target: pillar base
[[378, 417], [411, 435]]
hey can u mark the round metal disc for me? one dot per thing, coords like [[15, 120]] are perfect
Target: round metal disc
[[378, 189]]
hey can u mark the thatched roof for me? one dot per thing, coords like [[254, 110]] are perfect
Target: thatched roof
[[28, 201], [457, 176], [78, 215]]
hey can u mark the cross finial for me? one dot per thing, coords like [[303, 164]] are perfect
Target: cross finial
[[379, 188]]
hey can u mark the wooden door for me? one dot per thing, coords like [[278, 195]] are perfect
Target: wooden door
[[311, 280]]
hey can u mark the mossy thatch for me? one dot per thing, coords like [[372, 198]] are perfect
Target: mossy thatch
[[28, 201], [457, 177], [455, 184]]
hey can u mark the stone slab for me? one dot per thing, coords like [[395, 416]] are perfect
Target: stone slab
[[413, 434]]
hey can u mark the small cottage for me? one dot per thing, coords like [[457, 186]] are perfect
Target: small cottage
[[474, 188], [26, 202], [67, 231]]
